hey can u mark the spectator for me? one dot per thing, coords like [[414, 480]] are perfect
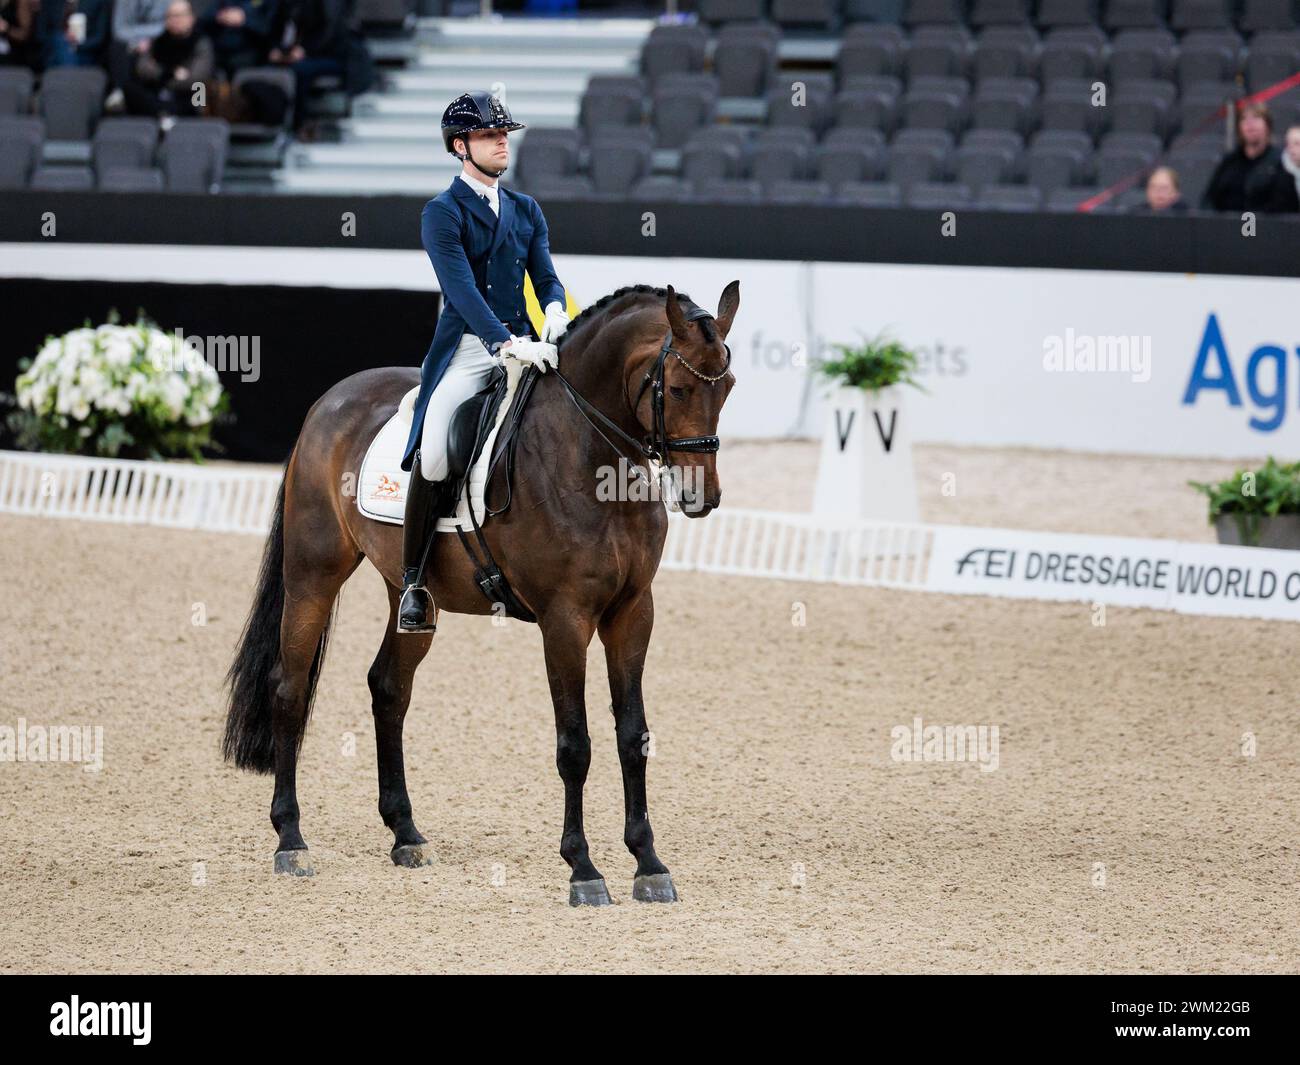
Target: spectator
[[311, 37], [162, 81], [240, 32], [135, 24], [78, 35], [1251, 177], [1163, 194], [17, 35], [1291, 156]]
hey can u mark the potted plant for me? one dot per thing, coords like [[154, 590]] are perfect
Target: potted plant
[[117, 390], [1257, 508], [866, 460]]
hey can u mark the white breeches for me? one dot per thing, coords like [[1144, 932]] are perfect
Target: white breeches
[[468, 371]]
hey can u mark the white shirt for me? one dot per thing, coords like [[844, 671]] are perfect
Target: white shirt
[[488, 192]]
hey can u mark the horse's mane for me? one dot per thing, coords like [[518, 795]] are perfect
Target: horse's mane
[[647, 293]]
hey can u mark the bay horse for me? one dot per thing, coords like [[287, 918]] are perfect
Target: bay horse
[[654, 369]]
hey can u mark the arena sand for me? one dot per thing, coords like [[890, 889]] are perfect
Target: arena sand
[[1123, 829]]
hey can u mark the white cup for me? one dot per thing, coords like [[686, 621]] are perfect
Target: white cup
[[77, 26]]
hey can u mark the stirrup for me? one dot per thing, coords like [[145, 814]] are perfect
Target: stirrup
[[430, 609]]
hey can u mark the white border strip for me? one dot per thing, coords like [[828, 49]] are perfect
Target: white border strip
[[1208, 579]]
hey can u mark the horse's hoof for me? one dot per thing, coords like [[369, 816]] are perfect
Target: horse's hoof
[[413, 855], [657, 887], [589, 893], [294, 863]]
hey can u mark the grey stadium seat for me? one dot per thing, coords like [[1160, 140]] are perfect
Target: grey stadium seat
[[15, 90], [865, 108], [680, 109], [280, 77], [72, 99], [562, 187], [995, 138], [871, 50], [1198, 106], [924, 107], [779, 160], [807, 14], [838, 163], [999, 13], [933, 13], [744, 63], [612, 100], [728, 190], [619, 159], [661, 187], [21, 139], [130, 179], [124, 143], [813, 113], [1068, 199], [547, 153], [1006, 52], [1200, 15], [857, 12], [913, 159], [978, 165], [1067, 104], [715, 11], [809, 192], [1271, 59], [1005, 103], [63, 177], [705, 160], [1134, 14], [1050, 166], [1142, 54], [1205, 57], [1268, 15], [1142, 107], [1071, 53], [1009, 198], [1121, 154], [194, 154], [674, 50], [1056, 13], [937, 53], [870, 194]]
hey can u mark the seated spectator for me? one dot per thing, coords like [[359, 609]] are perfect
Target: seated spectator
[[1291, 156], [163, 79], [240, 32], [311, 36], [17, 33], [77, 36], [1163, 193], [1251, 177], [135, 24]]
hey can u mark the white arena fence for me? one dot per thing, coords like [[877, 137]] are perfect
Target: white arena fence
[[1193, 578]]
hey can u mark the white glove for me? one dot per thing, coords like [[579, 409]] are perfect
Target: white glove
[[557, 321], [531, 353]]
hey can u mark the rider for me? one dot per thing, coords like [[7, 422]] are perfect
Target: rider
[[480, 237]]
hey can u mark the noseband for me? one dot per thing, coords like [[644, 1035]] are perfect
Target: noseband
[[657, 443]]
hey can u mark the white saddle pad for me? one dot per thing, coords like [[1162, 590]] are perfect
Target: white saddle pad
[[381, 490]]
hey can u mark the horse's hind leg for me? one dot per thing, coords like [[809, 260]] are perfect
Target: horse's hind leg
[[626, 635], [390, 689]]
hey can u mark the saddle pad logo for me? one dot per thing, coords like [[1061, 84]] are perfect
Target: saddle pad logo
[[387, 488]]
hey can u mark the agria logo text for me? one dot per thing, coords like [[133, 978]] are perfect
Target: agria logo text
[[1263, 376], [131, 1019]]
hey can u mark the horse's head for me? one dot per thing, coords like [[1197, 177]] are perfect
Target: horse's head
[[693, 377]]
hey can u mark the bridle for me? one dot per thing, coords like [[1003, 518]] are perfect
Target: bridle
[[657, 444]]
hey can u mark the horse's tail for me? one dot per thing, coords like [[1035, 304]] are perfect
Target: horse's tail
[[249, 740]]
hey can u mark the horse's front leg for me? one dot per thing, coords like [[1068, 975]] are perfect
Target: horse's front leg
[[625, 632], [565, 635]]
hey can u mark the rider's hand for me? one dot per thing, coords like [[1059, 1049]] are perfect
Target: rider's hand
[[557, 321], [531, 353]]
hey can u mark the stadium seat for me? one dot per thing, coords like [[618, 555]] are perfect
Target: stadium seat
[[612, 100], [996, 138], [674, 50], [194, 154], [1068, 199], [1270, 60], [661, 187], [776, 159], [1194, 170], [562, 187], [937, 51], [873, 108], [1142, 54], [1121, 154], [717, 11], [1067, 105], [1009, 198], [1072, 53], [1050, 165], [128, 143], [283, 80], [933, 13], [937, 196], [1140, 106], [680, 108], [841, 163], [1206, 58], [1134, 14], [1006, 52], [73, 178], [711, 160], [744, 62], [15, 90], [1005, 104], [130, 179], [926, 107], [812, 111], [549, 153], [871, 49], [1268, 15], [1057, 13], [880, 11], [1198, 106], [21, 139], [913, 161], [870, 194], [999, 13], [977, 165], [619, 159], [809, 192], [1200, 15], [72, 99]]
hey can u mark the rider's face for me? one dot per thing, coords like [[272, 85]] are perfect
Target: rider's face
[[490, 148]]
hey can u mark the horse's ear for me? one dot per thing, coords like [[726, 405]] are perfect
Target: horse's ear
[[728, 305], [676, 320]]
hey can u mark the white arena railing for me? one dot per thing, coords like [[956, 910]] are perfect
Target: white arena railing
[[225, 499]]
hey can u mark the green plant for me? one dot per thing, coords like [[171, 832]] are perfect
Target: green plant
[[1249, 495], [876, 363]]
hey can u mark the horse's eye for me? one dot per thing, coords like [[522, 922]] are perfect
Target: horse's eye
[[676, 392]]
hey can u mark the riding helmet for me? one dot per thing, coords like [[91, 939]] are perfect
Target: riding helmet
[[475, 110]]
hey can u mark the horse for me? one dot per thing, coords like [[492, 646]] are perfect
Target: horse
[[654, 370]]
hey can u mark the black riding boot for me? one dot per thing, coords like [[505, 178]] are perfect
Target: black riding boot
[[415, 613]]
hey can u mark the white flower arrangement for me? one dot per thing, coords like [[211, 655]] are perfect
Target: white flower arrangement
[[118, 388]]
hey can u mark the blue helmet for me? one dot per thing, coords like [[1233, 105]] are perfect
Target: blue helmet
[[475, 110]]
